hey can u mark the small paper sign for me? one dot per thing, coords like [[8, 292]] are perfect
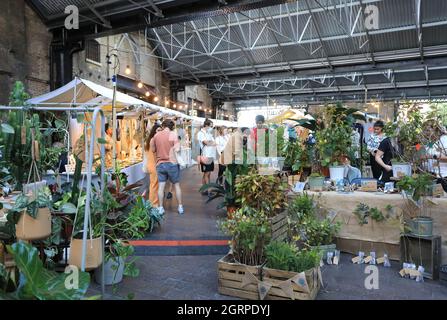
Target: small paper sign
[[402, 273], [355, 260], [299, 187], [335, 261], [380, 260], [368, 259]]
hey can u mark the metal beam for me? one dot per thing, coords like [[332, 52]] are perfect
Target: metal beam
[[419, 26]]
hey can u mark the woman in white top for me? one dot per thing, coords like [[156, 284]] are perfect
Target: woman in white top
[[221, 142], [207, 151]]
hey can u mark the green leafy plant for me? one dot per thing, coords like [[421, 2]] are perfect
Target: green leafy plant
[[36, 282], [285, 256], [363, 211], [293, 153], [318, 232], [301, 207], [417, 185], [250, 231], [335, 140], [251, 191]]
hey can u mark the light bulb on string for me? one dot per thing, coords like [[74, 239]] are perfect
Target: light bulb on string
[[147, 94], [140, 84], [174, 106], [128, 71], [155, 99]]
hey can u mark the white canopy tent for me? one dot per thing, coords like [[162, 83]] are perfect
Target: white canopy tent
[[81, 92]]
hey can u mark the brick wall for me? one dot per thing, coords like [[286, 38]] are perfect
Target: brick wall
[[24, 49]]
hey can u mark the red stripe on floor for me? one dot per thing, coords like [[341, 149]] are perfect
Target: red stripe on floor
[[178, 243]]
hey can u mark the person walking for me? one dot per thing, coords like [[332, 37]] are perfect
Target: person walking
[[165, 145], [207, 151], [149, 164], [221, 142], [372, 145]]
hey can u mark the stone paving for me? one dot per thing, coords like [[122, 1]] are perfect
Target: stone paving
[[191, 273], [195, 278]]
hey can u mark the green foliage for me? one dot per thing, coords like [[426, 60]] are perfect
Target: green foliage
[[301, 207], [294, 154], [285, 256], [250, 231], [418, 185], [318, 232], [363, 211], [39, 283], [251, 191], [335, 140]]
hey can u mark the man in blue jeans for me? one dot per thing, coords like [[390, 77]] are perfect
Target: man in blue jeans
[[165, 145]]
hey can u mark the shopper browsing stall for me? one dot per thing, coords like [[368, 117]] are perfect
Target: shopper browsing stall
[[207, 151], [150, 162], [221, 142], [165, 145], [109, 144]]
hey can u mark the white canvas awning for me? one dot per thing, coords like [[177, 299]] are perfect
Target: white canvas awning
[[81, 92]]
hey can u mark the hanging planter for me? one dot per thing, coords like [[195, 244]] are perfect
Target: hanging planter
[[93, 256], [29, 228]]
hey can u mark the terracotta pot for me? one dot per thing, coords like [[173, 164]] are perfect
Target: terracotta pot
[[230, 211], [325, 171], [28, 228], [93, 256]]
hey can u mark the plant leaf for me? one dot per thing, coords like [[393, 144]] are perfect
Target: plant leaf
[[69, 208], [6, 128], [102, 141]]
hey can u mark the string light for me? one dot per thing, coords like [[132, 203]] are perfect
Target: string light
[[180, 107], [140, 84], [148, 94], [128, 71], [155, 99], [199, 107], [174, 106]]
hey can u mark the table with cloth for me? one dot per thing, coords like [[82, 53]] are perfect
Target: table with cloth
[[376, 236]]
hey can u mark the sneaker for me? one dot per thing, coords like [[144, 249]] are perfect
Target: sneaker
[[181, 210], [161, 210], [169, 196]]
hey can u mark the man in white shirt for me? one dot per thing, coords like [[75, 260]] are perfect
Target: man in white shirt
[[207, 151]]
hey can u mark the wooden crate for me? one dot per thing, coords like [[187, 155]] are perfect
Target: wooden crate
[[279, 226], [231, 274], [425, 251]]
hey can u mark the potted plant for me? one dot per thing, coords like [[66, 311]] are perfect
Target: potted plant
[[250, 232], [293, 154], [316, 181], [226, 191], [30, 216], [334, 139], [251, 191], [415, 189], [308, 230], [125, 223]]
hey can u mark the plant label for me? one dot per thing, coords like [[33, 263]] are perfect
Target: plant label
[[368, 259], [402, 273], [356, 260], [299, 187], [380, 260], [335, 260]]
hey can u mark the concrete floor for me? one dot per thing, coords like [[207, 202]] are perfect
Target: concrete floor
[[190, 273]]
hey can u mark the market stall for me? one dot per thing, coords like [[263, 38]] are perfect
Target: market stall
[[132, 124], [381, 237]]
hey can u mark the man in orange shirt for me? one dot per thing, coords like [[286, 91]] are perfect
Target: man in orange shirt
[[165, 145]]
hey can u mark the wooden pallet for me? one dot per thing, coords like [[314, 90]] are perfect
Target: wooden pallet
[[231, 274], [279, 226]]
